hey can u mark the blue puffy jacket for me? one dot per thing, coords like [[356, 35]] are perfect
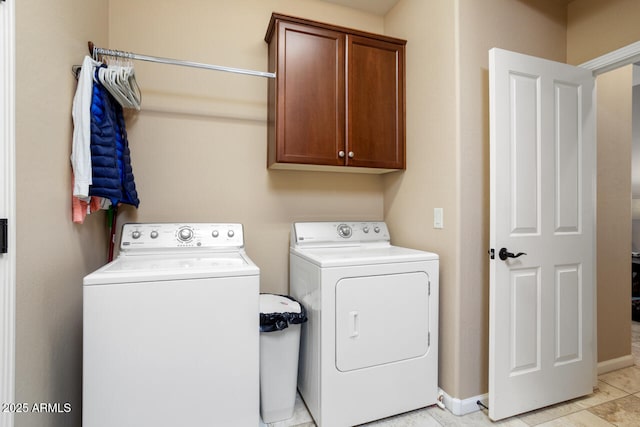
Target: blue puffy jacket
[[111, 170]]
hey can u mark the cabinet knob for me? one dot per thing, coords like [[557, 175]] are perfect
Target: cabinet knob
[[351, 154], [341, 154]]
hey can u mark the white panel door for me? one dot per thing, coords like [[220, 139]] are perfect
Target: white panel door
[[542, 342]]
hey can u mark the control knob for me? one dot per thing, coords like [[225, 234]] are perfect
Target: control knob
[[185, 234], [344, 231]]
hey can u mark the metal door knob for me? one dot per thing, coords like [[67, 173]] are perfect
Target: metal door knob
[[504, 254], [341, 154], [351, 154]]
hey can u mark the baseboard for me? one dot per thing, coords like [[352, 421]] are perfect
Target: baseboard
[[462, 406], [466, 406], [614, 364]]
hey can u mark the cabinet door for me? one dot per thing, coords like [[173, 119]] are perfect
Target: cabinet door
[[375, 103], [310, 95]]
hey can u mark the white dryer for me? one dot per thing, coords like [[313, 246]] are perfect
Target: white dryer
[[170, 332], [370, 347]]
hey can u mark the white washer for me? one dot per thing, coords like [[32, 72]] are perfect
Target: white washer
[[370, 347], [171, 330]]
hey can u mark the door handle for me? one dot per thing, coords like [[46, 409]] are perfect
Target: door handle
[[504, 254], [354, 324]]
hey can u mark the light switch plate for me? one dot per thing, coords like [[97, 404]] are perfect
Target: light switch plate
[[438, 218]]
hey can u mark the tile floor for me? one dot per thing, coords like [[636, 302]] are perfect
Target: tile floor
[[615, 403]]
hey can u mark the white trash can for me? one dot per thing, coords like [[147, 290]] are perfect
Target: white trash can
[[280, 319]]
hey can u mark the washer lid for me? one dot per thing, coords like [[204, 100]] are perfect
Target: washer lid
[[163, 267], [361, 255]]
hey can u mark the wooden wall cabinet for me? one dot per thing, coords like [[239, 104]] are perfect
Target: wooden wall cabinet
[[338, 100]]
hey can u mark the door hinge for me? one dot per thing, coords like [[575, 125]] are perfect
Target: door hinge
[[429, 290], [4, 232], [428, 339], [492, 253]]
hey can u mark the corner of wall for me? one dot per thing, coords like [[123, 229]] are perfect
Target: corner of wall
[[462, 407]]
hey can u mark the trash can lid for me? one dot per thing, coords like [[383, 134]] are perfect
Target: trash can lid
[[278, 311], [270, 303]]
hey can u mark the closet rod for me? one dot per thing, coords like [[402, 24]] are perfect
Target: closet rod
[[94, 50]]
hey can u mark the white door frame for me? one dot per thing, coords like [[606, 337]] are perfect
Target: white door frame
[[622, 57], [610, 61], [7, 208]]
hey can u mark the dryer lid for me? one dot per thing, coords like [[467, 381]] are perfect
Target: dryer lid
[[361, 255]]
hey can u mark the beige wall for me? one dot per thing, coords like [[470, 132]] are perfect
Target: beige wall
[[596, 27], [52, 254], [198, 146], [614, 213], [448, 155], [531, 27], [430, 179]]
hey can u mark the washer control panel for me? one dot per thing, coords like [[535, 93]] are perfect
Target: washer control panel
[[336, 233], [144, 236]]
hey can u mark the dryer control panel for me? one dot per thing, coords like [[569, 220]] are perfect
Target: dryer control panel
[[156, 236], [338, 233]]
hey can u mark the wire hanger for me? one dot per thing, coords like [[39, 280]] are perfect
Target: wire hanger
[[120, 80]]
